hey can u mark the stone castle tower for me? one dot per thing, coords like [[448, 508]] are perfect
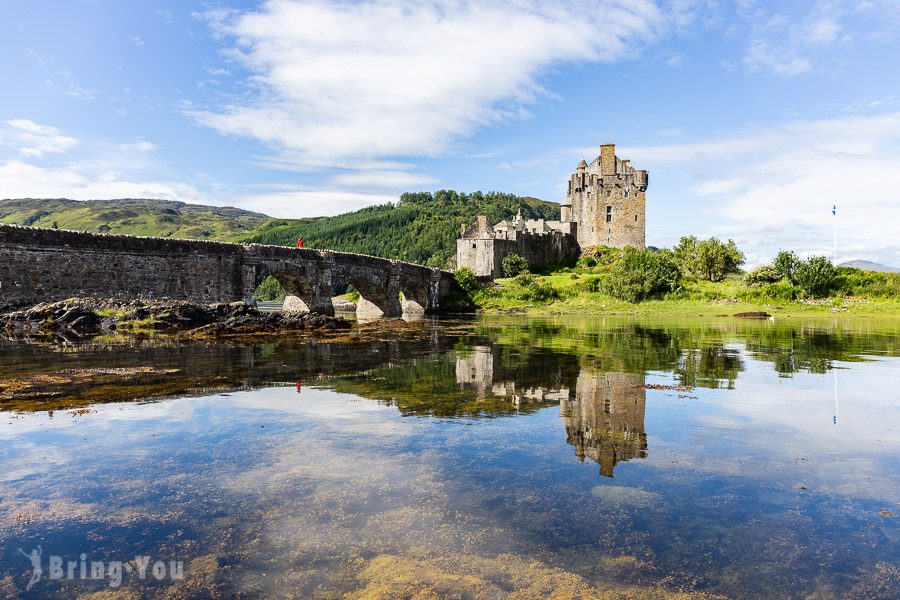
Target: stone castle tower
[[604, 206], [607, 198]]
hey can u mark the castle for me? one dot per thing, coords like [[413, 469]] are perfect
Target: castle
[[604, 206]]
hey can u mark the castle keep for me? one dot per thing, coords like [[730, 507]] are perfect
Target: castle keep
[[604, 206]]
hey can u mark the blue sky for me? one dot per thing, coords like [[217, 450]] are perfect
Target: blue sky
[[753, 118]]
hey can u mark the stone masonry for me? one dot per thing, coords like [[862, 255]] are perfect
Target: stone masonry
[[604, 205], [39, 265]]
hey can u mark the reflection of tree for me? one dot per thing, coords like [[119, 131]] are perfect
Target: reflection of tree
[[709, 367]]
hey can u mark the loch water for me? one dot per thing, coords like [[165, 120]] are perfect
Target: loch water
[[489, 457]]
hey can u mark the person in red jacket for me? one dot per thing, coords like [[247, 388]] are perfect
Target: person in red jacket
[[300, 242]]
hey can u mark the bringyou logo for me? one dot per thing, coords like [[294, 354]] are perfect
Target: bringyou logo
[[113, 572]]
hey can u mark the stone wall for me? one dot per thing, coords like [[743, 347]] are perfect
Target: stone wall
[[485, 255], [38, 265]]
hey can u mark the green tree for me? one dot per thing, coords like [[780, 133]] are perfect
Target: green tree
[[786, 263], [685, 253], [815, 276], [709, 259], [641, 274], [715, 260], [513, 264]]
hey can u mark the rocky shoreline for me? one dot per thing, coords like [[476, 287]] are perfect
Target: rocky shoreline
[[97, 316]]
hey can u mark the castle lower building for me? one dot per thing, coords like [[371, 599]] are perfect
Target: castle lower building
[[605, 205]]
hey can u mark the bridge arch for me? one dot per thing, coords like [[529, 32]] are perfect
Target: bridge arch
[[301, 287]]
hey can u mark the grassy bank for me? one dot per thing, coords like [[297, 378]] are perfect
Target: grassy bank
[[574, 291]]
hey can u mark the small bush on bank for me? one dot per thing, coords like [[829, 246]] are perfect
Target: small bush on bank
[[466, 279], [815, 276], [856, 282], [524, 279], [513, 264], [762, 275], [641, 274], [590, 284], [777, 291]]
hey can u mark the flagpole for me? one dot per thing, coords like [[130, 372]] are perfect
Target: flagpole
[[834, 214]]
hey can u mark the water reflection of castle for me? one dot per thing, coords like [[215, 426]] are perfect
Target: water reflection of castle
[[603, 412]]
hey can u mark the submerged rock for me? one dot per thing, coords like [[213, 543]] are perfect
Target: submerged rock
[[753, 314]]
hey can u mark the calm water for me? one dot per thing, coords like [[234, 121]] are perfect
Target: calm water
[[489, 458]]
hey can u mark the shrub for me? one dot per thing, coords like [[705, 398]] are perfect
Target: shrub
[[590, 284], [539, 291], [642, 273], [815, 276], [524, 279], [781, 290], [586, 262], [513, 264], [466, 279], [786, 263], [857, 282], [761, 275]]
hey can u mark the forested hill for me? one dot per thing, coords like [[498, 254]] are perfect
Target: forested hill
[[421, 228], [161, 218]]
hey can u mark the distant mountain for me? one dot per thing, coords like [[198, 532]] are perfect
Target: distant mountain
[[145, 217], [867, 265], [421, 227]]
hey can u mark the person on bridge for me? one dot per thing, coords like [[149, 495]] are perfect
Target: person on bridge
[[299, 242]]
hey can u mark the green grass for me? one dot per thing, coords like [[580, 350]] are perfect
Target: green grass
[[574, 294]]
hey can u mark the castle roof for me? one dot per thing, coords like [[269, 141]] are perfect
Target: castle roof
[[582, 164]]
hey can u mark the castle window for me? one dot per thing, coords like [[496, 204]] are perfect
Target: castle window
[[609, 214], [474, 245], [635, 218]]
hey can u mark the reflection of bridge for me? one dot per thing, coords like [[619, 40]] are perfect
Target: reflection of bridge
[[603, 412], [39, 265]]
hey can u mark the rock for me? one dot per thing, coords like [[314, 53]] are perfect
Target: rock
[[753, 314], [86, 323]]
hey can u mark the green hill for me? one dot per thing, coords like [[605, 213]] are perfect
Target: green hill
[[162, 218], [421, 228]]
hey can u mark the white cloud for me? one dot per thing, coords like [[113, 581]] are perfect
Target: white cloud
[[772, 188], [23, 180], [137, 40], [295, 203], [382, 180], [139, 146], [338, 82], [801, 39], [32, 139]]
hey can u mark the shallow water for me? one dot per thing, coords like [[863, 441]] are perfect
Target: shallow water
[[502, 457]]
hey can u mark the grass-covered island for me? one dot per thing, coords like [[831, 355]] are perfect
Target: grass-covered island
[[697, 277]]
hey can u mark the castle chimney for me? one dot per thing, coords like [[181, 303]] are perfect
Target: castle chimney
[[607, 159]]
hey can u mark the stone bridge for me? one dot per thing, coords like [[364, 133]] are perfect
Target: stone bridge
[[39, 265]]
